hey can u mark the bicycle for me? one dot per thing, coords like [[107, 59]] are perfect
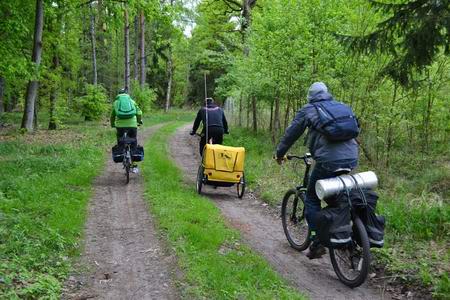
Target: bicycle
[[350, 262], [127, 159]]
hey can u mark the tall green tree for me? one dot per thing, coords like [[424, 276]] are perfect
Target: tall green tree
[[33, 84]]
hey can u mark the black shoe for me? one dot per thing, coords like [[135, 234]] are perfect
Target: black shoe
[[316, 250]]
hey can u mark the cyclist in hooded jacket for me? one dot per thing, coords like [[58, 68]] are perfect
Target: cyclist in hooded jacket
[[329, 156], [129, 124], [217, 123]]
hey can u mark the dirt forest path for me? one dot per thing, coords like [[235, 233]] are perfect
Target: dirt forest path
[[123, 257], [261, 229]]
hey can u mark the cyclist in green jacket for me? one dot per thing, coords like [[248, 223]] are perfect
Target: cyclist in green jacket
[[125, 117]]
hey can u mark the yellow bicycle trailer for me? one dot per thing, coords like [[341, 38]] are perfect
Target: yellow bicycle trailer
[[222, 166]]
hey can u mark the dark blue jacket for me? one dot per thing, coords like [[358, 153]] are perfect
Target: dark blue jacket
[[216, 118], [321, 149]]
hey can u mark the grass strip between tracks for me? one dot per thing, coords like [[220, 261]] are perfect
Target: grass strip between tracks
[[215, 263]]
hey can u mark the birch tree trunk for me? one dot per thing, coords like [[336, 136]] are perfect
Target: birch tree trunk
[[142, 49], [33, 85], [94, 47], [127, 50]]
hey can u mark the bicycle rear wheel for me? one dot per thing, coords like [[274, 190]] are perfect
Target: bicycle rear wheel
[[240, 187], [127, 172], [351, 263], [200, 175], [293, 219]]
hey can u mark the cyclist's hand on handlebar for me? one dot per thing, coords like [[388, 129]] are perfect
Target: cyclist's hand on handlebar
[[280, 160]]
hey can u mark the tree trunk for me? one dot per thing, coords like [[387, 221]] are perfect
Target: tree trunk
[[33, 85], [169, 83], [12, 103], [93, 44], [286, 115], [390, 131], [254, 113], [136, 48], [2, 88], [247, 14], [53, 96], [142, 49], [427, 117], [240, 110], [276, 119], [127, 50], [271, 116], [118, 60]]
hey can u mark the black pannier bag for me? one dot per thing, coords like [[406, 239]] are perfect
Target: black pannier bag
[[117, 153], [374, 224], [334, 227], [137, 153]]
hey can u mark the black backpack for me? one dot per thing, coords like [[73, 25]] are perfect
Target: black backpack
[[335, 121]]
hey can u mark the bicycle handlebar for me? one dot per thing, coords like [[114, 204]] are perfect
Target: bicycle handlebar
[[304, 157]]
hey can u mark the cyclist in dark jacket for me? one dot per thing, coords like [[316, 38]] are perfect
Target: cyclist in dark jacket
[[217, 123], [329, 156]]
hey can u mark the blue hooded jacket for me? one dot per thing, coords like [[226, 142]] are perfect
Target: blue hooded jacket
[[321, 149]]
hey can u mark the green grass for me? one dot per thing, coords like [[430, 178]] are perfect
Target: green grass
[[45, 184], [44, 187], [216, 265], [414, 200]]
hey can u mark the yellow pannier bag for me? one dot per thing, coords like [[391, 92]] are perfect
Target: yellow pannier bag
[[224, 163]]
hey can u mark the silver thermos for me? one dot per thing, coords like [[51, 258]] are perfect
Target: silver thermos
[[332, 186]]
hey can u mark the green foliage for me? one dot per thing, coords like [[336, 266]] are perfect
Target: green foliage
[[197, 232], [413, 33], [144, 97], [93, 105]]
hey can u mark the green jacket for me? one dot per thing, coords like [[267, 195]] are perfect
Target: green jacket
[[131, 122]]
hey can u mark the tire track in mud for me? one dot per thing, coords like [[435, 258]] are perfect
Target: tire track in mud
[[261, 229], [123, 256]]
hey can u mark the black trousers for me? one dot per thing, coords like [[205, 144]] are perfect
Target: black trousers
[[215, 133], [131, 133]]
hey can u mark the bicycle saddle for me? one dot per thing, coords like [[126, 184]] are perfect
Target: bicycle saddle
[[127, 140], [342, 171]]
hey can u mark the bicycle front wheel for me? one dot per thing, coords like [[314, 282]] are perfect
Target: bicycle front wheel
[[351, 263], [293, 219]]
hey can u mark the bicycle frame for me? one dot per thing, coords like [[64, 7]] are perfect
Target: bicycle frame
[[307, 160]]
